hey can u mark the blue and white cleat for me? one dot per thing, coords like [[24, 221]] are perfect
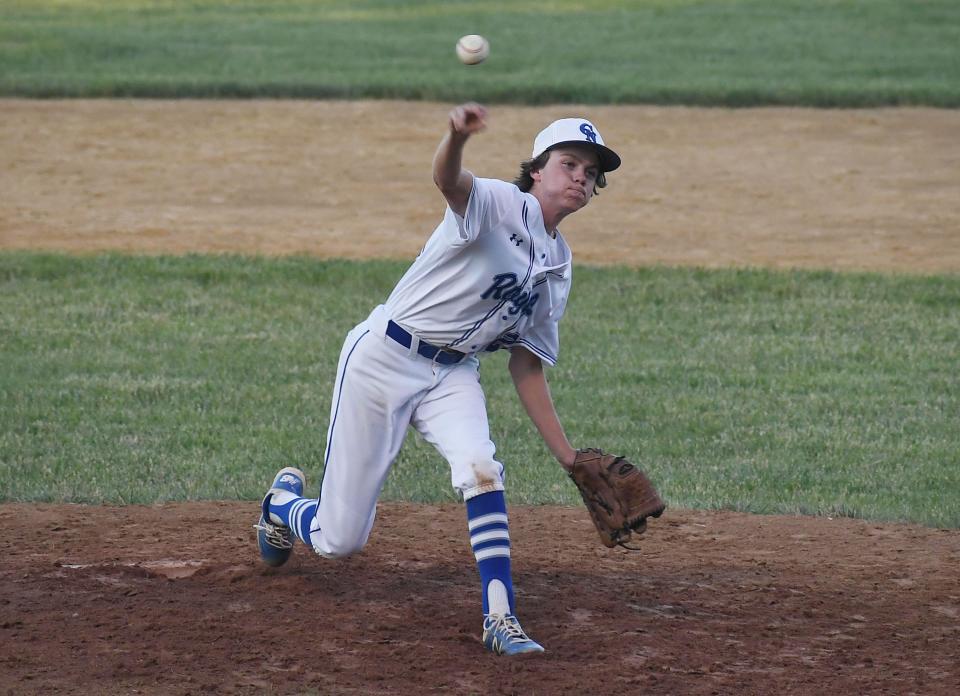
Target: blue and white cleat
[[276, 540], [502, 635]]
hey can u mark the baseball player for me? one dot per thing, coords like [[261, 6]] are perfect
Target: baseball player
[[494, 274]]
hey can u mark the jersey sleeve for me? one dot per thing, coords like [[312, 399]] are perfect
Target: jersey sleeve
[[489, 198], [542, 341]]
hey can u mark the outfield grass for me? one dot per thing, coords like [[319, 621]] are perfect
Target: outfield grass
[[142, 379], [711, 52]]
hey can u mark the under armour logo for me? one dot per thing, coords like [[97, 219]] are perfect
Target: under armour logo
[[515, 239], [588, 131]]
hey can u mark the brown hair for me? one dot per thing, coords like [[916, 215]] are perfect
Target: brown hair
[[524, 180]]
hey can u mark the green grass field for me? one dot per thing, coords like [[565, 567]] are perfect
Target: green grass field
[[137, 379], [711, 52]]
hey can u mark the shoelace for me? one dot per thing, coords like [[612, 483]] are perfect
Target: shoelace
[[511, 627], [277, 537]]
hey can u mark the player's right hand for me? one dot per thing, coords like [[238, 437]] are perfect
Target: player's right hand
[[468, 119]]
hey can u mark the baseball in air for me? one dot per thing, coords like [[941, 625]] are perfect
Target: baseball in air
[[472, 49]]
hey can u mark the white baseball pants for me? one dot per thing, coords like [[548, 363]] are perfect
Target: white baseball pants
[[381, 388]]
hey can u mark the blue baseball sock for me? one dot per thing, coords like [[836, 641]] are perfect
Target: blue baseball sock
[[293, 512], [490, 539]]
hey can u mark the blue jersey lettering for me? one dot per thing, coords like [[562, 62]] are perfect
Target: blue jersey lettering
[[506, 287]]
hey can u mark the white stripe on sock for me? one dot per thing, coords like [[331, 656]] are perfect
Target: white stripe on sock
[[492, 552], [489, 536], [296, 515], [312, 507], [293, 517], [492, 518]]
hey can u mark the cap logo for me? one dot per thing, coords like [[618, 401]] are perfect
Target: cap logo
[[588, 131]]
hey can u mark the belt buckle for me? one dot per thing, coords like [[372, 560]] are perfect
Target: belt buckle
[[452, 356], [456, 355]]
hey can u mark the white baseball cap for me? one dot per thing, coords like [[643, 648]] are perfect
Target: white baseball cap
[[571, 131]]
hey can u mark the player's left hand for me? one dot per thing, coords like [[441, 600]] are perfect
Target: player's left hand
[[617, 494], [568, 459]]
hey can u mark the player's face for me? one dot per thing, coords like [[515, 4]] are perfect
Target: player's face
[[568, 178]]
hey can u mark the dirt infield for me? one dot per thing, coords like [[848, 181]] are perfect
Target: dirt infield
[[172, 599], [769, 187]]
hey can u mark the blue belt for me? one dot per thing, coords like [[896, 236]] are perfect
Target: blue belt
[[444, 356]]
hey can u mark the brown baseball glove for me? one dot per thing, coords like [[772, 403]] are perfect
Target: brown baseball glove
[[618, 495]]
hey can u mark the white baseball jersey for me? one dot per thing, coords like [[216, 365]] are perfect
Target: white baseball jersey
[[491, 279]]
